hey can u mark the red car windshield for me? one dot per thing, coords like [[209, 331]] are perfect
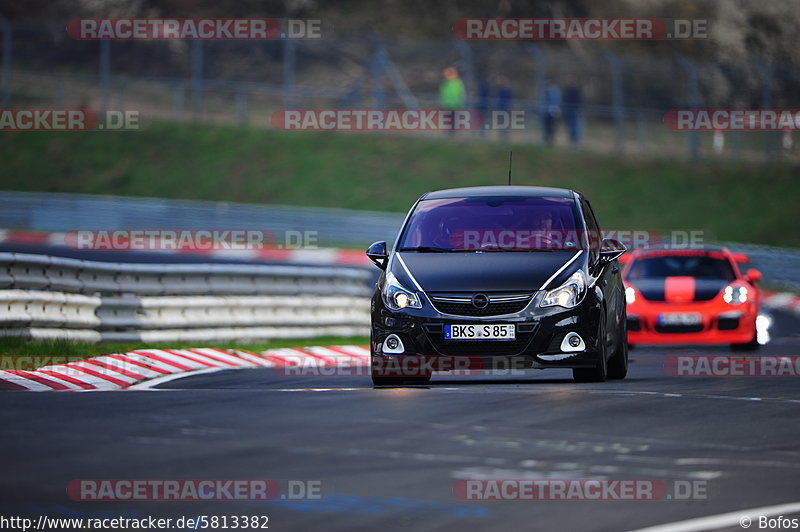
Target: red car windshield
[[700, 266]]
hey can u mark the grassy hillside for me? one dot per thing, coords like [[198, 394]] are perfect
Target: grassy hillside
[[737, 201]]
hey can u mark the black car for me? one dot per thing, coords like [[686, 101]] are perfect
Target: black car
[[499, 277]]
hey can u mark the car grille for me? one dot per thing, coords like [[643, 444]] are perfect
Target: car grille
[[728, 324], [499, 304], [679, 328], [435, 334]]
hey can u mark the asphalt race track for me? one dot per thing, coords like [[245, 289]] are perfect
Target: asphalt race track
[[388, 459]]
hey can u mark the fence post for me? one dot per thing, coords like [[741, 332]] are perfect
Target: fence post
[[197, 79], [177, 100], [105, 73], [468, 72], [241, 105], [693, 100], [289, 70], [377, 71], [617, 98], [766, 103], [59, 103], [6, 26], [540, 60]]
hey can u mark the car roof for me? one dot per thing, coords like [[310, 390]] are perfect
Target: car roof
[[473, 192]]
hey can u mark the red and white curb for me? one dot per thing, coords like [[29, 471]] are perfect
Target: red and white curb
[[138, 369], [781, 300], [316, 256]]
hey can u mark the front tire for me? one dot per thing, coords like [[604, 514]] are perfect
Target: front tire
[[600, 371], [618, 364], [752, 345], [383, 376]]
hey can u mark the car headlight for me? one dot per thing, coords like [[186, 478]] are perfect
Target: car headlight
[[735, 294], [397, 297], [569, 294], [630, 295]]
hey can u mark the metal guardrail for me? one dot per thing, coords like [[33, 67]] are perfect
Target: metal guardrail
[[54, 297], [50, 212], [780, 266]]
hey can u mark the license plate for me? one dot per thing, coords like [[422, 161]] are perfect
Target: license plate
[[479, 332], [678, 318]]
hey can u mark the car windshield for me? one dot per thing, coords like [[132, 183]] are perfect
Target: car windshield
[[700, 266], [492, 224]]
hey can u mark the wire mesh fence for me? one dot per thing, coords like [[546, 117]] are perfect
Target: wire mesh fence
[[610, 101]]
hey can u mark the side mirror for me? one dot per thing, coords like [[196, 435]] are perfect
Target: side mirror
[[610, 250], [378, 254], [753, 275]]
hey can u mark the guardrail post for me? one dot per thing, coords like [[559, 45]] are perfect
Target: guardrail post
[[693, 100]]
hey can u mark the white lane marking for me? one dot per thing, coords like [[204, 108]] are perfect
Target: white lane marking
[[561, 269], [730, 519], [147, 385], [693, 396]]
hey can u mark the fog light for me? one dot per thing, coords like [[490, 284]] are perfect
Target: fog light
[[572, 343], [393, 345]]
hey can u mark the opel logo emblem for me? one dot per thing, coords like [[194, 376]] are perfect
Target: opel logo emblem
[[480, 301]]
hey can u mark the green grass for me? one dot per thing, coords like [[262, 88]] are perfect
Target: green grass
[[737, 201], [19, 353]]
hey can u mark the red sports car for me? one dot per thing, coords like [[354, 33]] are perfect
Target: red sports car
[[690, 297]]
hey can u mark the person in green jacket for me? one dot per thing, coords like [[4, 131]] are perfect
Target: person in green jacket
[[452, 94]]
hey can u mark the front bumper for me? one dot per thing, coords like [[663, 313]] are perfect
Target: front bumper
[[720, 324], [539, 334]]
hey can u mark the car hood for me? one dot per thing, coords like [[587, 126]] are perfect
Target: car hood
[[487, 272]]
